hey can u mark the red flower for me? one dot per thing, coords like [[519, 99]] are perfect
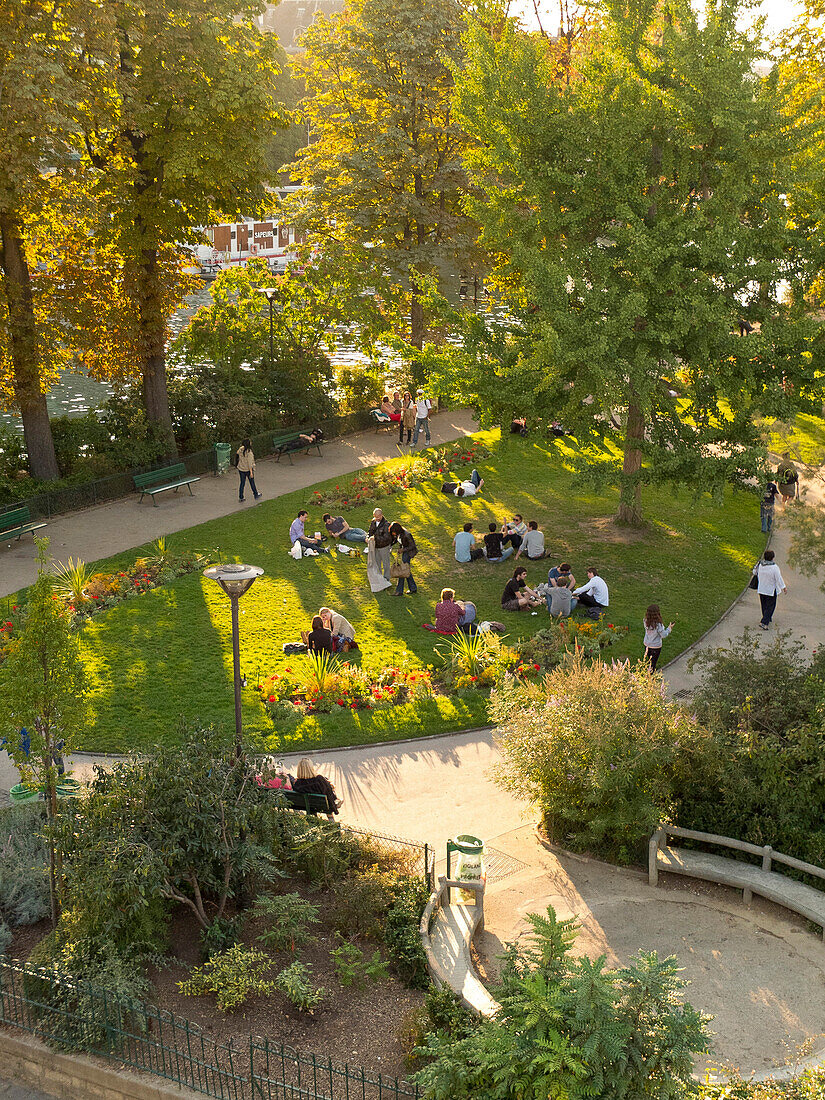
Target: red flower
[[610, 626], [352, 706], [272, 698], [536, 667]]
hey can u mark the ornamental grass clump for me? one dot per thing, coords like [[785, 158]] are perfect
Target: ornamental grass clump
[[601, 750]]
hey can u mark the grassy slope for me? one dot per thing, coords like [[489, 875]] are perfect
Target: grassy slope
[[168, 653], [804, 437]]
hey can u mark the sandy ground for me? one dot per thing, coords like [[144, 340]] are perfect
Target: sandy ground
[[758, 971]]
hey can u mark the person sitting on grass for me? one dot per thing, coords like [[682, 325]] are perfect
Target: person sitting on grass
[[308, 781], [467, 488], [532, 545], [464, 542], [452, 614], [296, 534], [594, 594], [343, 632], [319, 639], [517, 594], [338, 527], [493, 544], [561, 577], [514, 531]]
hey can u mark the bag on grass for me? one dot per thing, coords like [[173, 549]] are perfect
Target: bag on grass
[[291, 648], [297, 550]]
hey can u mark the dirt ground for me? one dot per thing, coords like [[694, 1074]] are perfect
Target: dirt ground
[[357, 1026], [759, 971]]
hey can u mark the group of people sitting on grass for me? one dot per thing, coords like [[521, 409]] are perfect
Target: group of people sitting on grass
[[330, 632], [523, 538]]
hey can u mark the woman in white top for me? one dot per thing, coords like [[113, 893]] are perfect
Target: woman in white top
[[655, 634], [769, 585], [246, 468]]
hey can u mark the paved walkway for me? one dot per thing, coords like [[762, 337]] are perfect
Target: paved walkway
[[108, 529], [11, 1091]]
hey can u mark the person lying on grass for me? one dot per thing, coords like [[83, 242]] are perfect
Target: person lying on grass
[[338, 527], [517, 595], [464, 488]]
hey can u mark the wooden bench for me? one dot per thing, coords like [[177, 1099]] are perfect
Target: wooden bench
[[311, 804], [158, 481], [18, 521], [751, 879], [288, 444]]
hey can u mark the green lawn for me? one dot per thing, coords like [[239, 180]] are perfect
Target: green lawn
[[804, 437], [168, 654]]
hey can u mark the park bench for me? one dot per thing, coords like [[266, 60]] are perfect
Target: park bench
[[291, 442], [158, 481], [382, 421], [18, 521], [311, 804], [750, 878]]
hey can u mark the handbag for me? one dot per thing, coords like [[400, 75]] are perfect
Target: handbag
[[399, 569], [754, 581]]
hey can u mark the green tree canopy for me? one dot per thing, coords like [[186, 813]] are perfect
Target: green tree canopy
[[383, 172], [637, 211]]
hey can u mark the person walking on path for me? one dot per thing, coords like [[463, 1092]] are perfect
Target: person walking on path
[[423, 405], [788, 478], [767, 505], [655, 634], [382, 541], [408, 551], [769, 585], [246, 468]]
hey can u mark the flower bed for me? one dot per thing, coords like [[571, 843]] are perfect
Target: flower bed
[[323, 686], [368, 486]]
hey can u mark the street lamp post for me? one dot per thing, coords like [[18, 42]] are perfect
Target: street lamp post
[[235, 580], [270, 293]]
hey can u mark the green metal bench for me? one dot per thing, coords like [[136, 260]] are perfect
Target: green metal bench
[[158, 481], [18, 521], [311, 804], [291, 442]]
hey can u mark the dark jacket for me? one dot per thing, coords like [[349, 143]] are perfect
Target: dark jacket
[[407, 543], [318, 784], [381, 531]]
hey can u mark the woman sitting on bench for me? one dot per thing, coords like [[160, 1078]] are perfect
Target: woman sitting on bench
[[308, 781]]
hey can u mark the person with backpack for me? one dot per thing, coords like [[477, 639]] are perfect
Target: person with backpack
[[244, 462]]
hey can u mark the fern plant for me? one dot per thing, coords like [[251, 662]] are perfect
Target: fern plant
[[295, 983], [289, 915]]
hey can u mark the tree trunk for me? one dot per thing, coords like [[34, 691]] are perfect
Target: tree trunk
[[28, 395], [416, 320], [630, 502], [153, 354]]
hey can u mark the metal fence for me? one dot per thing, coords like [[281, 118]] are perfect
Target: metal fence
[[411, 857], [102, 490], [78, 1016]]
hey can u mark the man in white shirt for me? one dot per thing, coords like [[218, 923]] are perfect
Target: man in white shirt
[[422, 416], [769, 586], [594, 593]]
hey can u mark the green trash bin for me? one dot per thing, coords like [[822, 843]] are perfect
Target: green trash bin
[[222, 453], [470, 864]]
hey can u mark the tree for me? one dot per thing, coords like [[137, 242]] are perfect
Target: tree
[[383, 172], [40, 83], [571, 1028], [637, 211], [179, 141], [42, 689], [181, 826]]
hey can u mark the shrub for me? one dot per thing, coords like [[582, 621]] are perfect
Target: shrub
[[442, 1011], [290, 916], [5, 937], [352, 968], [402, 935], [219, 936], [233, 976], [363, 901], [295, 983], [569, 1027], [24, 884], [600, 749], [766, 690]]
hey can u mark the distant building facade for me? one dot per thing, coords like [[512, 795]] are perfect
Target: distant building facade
[[291, 18]]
